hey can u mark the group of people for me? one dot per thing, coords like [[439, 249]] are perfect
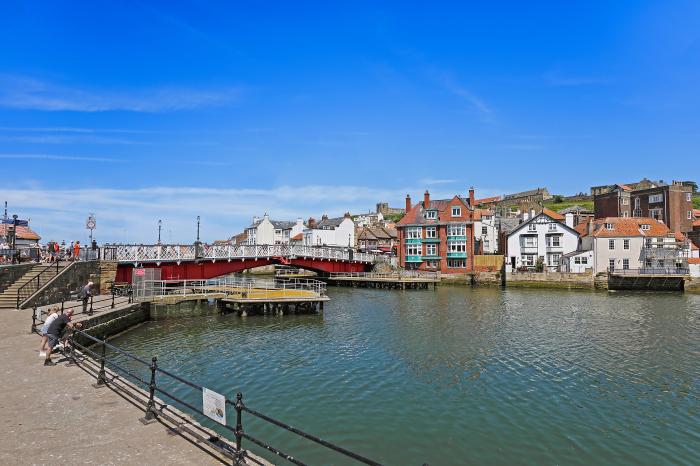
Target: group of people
[[55, 252], [54, 332]]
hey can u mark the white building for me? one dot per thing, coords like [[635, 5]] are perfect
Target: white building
[[368, 219], [578, 261], [544, 236], [634, 243], [486, 230], [339, 231], [266, 231]]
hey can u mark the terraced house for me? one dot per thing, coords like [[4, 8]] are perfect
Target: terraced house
[[437, 235]]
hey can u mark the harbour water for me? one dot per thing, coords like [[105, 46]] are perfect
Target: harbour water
[[458, 375]]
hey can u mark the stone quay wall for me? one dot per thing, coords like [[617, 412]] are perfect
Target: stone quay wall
[[70, 280], [563, 280]]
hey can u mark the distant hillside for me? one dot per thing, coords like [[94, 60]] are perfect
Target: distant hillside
[[557, 206]]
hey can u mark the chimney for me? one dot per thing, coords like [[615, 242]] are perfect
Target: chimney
[[256, 219], [569, 220], [532, 213], [311, 223], [324, 217], [408, 203], [590, 226], [347, 215], [426, 200], [471, 197]]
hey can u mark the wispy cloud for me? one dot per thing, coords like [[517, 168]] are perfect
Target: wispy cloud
[[132, 214], [555, 78], [435, 181], [450, 83], [25, 93], [57, 157]]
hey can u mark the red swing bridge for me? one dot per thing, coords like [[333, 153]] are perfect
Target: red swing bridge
[[203, 261]]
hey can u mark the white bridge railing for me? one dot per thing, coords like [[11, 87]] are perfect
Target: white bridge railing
[[148, 290], [399, 275], [189, 252]]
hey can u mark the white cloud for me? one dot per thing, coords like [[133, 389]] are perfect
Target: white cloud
[[132, 215], [26, 93]]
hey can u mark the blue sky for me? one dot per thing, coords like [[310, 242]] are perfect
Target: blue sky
[[145, 110]]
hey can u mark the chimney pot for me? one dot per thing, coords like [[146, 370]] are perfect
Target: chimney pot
[[426, 200], [471, 197], [408, 203]]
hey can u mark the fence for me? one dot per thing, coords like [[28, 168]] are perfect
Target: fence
[[19, 255], [651, 271], [145, 290], [110, 371], [401, 274]]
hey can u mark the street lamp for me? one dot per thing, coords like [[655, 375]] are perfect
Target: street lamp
[[15, 256], [160, 225], [198, 228]]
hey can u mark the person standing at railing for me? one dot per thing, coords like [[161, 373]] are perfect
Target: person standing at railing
[[85, 295], [55, 331], [52, 315], [76, 251]]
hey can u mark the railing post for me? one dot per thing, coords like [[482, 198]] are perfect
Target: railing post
[[151, 413], [112, 295], [240, 454], [101, 377], [71, 358], [33, 329]]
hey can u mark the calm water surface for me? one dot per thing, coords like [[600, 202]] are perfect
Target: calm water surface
[[458, 375]]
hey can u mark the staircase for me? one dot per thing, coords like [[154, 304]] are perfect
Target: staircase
[[40, 274]]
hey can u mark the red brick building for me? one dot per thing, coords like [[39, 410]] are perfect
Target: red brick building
[[672, 204], [437, 235]]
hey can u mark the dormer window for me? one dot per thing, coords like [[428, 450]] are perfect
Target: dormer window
[[456, 211], [552, 227], [609, 226], [532, 227], [646, 226], [431, 214]]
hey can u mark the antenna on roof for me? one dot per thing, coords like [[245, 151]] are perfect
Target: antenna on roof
[[5, 216]]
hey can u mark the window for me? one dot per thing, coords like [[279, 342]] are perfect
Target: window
[[486, 244], [611, 244], [431, 232], [431, 249], [625, 214], [484, 231], [528, 260], [532, 227], [648, 242], [457, 246], [456, 263], [645, 226], [552, 227], [609, 226], [528, 241], [431, 264], [625, 264], [656, 214], [611, 264], [413, 232], [553, 241], [647, 263], [625, 201], [625, 244], [457, 229], [584, 260], [553, 259], [577, 260], [656, 198], [413, 249], [690, 215], [688, 197], [431, 214], [456, 211], [637, 202]]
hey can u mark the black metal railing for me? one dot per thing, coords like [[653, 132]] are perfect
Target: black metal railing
[[650, 271], [154, 407], [32, 286], [19, 255]]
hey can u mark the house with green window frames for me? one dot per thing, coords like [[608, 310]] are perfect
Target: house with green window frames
[[437, 235]]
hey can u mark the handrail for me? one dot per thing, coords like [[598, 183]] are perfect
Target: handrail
[[26, 289], [236, 450]]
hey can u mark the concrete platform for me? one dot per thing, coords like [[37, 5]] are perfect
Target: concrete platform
[[53, 415]]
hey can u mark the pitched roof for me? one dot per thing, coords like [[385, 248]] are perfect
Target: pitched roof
[[415, 215], [297, 237], [694, 260], [696, 213], [507, 225], [582, 228], [283, 224], [22, 232], [329, 222], [487, 200], [525, 193], [624, 187], [553, 214], [696, 223], [628, 226]]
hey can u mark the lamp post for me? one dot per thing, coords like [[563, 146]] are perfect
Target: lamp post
[[14, 239], [198, 228], [196, 243], [160, 225]]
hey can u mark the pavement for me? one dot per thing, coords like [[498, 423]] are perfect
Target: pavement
[[53, 415]]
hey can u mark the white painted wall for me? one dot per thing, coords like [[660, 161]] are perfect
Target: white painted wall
[[491, 233], [585, 262], [341, 236], [540, 227]]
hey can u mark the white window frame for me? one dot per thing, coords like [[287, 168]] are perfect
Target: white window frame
[[625, 201], [646, 226], [456, 211], [431, 249], [525, 239], [552, 227], [431, 232], [414, 249], [688, 197], [690, 215], [609, 226], [625, 264], [414, 233], [457, 263], [457, 246], [611, 244], [431, 214], [625, 244], [532, 227], [457, 229], [527, 260], [611, 263], [656, 198], [484, 230]]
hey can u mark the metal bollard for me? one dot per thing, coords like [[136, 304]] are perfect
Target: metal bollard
[[33, 329], [240, 454], [151, 412], [112, 295], [63, 302]]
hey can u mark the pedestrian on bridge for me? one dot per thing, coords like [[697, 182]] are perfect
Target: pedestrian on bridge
[[76, 251], [85, 295]]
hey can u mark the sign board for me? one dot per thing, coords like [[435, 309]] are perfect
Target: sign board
[[139, 272], [214, 405]]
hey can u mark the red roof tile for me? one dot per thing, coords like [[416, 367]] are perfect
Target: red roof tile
[[487, 200], [626, 226], [22, 232], [694, 260], [553, 214]]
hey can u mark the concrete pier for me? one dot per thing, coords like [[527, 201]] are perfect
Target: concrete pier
[[53, 415]]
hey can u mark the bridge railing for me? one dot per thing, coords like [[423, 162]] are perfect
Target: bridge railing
[[388, 275], [187, 252], [146, 290]]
